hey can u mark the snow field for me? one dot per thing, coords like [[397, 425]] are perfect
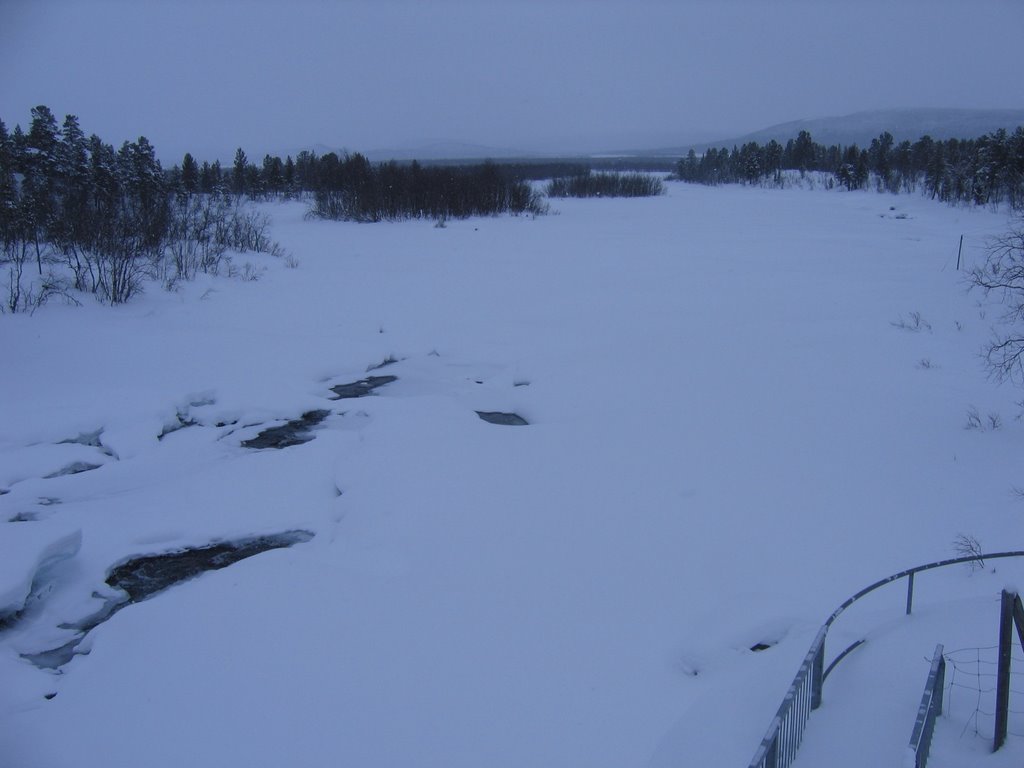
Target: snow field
[[728, 436]]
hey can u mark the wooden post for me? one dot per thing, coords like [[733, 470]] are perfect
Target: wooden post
[[910, 593], [959, 252], [1003, 669]]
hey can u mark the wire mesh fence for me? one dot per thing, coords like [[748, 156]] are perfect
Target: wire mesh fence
[[971, 690]]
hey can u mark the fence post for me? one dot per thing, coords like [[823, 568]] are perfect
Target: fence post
[[910, 592], [1018, 619], [1003, 669]]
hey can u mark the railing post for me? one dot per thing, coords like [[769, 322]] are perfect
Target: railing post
[[771, 759], [910, 593], [817, 675], [1003, 669]]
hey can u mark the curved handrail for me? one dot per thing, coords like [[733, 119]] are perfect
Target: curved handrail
[[852, 647], [783, 727], [912, 571]]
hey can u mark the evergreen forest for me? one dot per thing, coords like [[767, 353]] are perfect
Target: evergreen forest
[[980, 171]]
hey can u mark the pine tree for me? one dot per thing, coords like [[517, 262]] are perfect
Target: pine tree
[[903, 167], [189, 174], [1015, 169], [880, 160], [852, 173], [749, 162], [206, 182], [272, 175], [72, 186], [773, 160], [39, 206], [935, 170], [104, 186], [289, 176], [43, 133], [804, 152], [19, 144], [307, 171], [8, 190], [688, 169], [238, 172]]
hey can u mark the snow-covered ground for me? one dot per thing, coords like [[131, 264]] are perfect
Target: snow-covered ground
[[728, 435]]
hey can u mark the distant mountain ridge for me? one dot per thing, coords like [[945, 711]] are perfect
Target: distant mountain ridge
[[861, 127], [443, 150], [856, 128]]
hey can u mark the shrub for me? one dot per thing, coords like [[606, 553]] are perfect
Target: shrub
[[606, 184]]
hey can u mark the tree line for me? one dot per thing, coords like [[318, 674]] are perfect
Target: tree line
[[76, 215], [353, 189], [584, 183], [982, 171]]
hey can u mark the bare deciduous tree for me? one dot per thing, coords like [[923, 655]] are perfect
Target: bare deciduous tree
[[1002, 276]]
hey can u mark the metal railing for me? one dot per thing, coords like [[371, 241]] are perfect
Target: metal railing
[[931, 707], [785, 733]]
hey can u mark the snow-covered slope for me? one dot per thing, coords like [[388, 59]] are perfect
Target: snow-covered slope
[[727, 436]]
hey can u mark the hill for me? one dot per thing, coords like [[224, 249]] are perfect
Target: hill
[[861, 127]]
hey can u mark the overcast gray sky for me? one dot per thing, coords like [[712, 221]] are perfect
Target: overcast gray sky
[[207, 76]]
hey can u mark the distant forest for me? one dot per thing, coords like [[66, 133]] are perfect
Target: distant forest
[[982, 171], [78, 215]]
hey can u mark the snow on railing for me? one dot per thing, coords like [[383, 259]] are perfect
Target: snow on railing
[[785, 733]]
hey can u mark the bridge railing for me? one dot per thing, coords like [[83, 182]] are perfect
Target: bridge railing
[[931, 707], [786, 731], [780, 744]]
